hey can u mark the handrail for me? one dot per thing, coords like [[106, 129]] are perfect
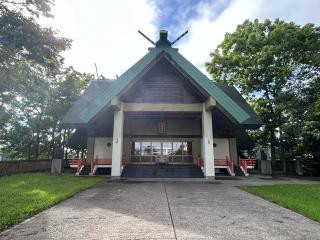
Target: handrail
[[79, 162], [106, 161], [225, 162], [124, 161], [245, 163], [249, 161], [230, 165], [100, 161], [199, 161], [219, 162]]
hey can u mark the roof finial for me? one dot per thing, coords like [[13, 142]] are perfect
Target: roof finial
[[146, 37], [178, 38], [163, 38]]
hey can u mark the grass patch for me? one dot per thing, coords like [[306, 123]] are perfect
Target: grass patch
[[23, 195], [301, 198]]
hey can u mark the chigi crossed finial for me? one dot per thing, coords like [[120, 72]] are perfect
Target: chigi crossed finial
[[163, 38]]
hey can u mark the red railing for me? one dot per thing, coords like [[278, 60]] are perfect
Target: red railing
[[79, 162], [246, 163], [225, 162], [105, 161], [199, 161], [124, 161], [219, 162], [100, 161]]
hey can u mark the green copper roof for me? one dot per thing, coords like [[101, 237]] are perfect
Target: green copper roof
[[103, 99], [221, 97]]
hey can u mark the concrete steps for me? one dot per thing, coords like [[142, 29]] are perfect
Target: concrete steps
[[85, 170], [162, 171], [238, 171]]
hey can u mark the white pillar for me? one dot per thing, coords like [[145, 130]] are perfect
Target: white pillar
[[117, 142], [207, 143]]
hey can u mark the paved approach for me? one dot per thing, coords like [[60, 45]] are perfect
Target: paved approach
[[167, 210]]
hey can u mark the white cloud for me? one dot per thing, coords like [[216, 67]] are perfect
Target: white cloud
[[206, 34], [104, 32]]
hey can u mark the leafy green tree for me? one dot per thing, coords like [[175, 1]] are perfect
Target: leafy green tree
[[35, 89], [311, 123], [36, 128], [24, 40], [64, 91], [266, 61]]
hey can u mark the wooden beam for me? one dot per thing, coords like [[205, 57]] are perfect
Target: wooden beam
[[115, 103], [162, 107], [210, 104]]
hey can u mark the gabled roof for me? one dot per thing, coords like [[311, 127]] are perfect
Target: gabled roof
[[85, 100], [83, 112], [233, 93]]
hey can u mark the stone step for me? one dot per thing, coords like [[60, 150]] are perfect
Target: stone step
[[238, 171], [166, 171]]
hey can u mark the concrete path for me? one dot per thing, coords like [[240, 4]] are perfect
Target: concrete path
[[168, 210]]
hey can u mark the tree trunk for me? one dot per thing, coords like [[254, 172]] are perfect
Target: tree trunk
[[66, 153], [282, 159], [38, 136], [29, 151], [273, 148], [63, 145], [52, 144]]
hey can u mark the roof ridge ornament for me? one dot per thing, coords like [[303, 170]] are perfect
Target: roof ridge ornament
[[181, 36], [145, 36], [163, 38]]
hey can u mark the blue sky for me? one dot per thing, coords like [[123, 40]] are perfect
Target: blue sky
[[175, 14], [105, 32]]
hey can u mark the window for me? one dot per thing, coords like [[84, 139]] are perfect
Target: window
[[145, 151], [184, 148], [145, 148], [177, 148], [167, 148], [156, 148]]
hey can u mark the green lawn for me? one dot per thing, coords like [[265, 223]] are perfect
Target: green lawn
[[23, 195], [301, 198]]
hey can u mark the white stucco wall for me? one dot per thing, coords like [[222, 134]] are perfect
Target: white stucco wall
[[222, 148], [101, 150]]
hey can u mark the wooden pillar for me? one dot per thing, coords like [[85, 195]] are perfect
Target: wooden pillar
[[117, 141], [207, 143], [90, 149]]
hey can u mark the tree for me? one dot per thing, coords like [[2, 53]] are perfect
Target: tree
[[64, 91], [269, 61], [36, 128], [311, 124], [33, 7], [24, 40], [35, 89]]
